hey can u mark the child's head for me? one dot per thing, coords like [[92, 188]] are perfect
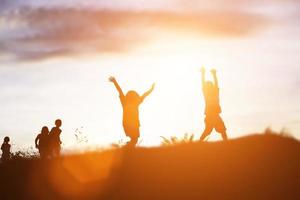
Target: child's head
[[45, 130], [6, 139], [132, 96], [58, 123], [208, 85]]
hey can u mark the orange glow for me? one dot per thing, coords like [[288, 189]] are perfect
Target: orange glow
[[79, 175]]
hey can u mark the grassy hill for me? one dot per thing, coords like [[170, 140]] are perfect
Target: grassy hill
[[253, 167]]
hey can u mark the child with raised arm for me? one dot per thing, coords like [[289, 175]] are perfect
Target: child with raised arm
[[212, 107], [130, 103]]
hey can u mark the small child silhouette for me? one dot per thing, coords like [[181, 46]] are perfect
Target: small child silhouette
[[130, 104], [212, 107], [5, 147], [42, 142], [55, 141]]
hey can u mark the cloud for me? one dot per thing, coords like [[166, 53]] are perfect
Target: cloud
[[37, 33]]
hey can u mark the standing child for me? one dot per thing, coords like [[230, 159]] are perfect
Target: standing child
[[130, 104], [42, 142], [5, 147], [54, 137], [212, 107]]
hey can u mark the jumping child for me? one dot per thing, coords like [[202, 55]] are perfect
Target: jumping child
[[212, 107], [130, 104]]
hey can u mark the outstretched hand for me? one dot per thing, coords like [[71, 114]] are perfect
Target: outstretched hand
[[112, 79], [152, 87], [148, 92]]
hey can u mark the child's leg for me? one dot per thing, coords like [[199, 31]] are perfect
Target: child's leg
[[56, 151], [224, 136], [220, 127], [133, 141], [205, 133], [208, 128], [133, 133]]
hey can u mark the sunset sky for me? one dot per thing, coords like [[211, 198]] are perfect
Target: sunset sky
[[56, 57]]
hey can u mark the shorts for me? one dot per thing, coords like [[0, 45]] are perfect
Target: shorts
[[215, 122]]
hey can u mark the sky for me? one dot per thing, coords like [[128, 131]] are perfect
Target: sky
[[56, 57]]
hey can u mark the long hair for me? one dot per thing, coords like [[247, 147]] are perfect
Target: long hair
[[45, 130]]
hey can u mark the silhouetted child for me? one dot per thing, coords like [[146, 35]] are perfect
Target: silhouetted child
[[42, 142], [212, 107], [55, 141], [130, 104], [5, 147]]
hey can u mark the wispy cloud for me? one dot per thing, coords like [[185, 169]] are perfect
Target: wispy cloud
[[32, 30], [37, 33]]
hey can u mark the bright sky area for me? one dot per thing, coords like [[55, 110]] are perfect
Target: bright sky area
[[59, 67]]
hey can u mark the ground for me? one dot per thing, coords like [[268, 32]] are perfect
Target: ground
[[253, 167]]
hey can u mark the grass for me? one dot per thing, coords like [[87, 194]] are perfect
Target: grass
[[283, 132], [261, 166], [173, 140]]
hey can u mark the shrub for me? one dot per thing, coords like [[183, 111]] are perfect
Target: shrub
[[187, 138]]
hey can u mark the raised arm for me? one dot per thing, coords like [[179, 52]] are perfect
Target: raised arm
[[114, 81], [36, 142], [148, 92], [203, 76], [214, 73]]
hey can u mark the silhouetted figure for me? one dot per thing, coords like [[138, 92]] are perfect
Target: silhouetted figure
[[212, 107], [130, 104], [5, 147], [54, 137], [42, 142]]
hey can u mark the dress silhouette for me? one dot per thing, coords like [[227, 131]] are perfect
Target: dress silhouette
[[54, 137], [213, 119], [42, 142], [130, 103], [5, 147]]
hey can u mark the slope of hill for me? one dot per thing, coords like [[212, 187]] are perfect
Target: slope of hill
[[253, 167]]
